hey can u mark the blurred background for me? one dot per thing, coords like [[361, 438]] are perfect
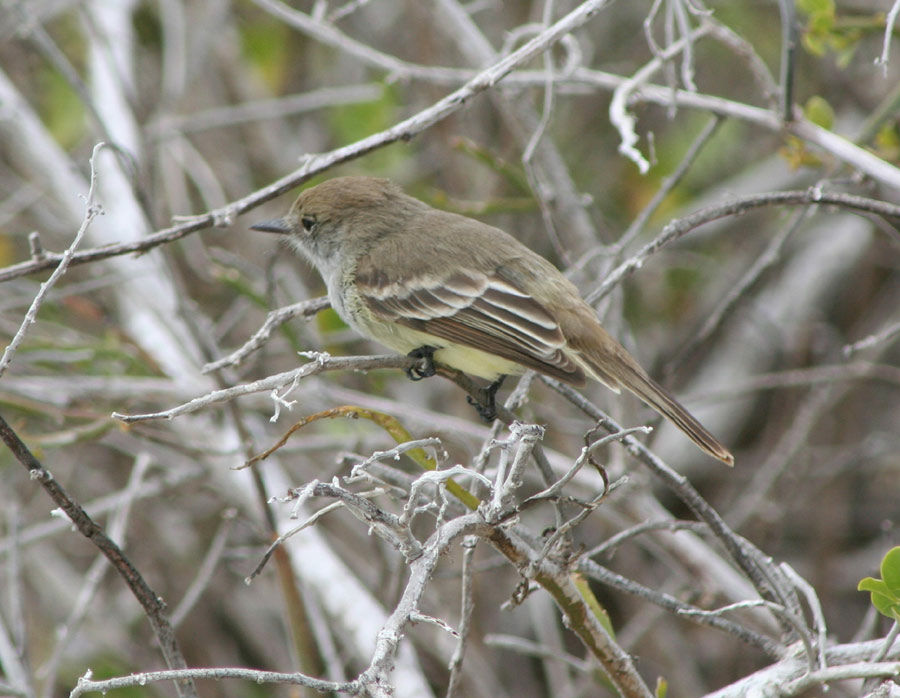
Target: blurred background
[[750, 320]]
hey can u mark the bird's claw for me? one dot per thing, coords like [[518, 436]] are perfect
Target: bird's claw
[[485, 403], [424, 368]]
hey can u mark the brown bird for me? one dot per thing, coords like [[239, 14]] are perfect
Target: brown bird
[[441, 286]]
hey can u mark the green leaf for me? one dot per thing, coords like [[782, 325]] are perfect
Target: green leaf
[[266, 44], [885, 593], [816, 7], [61, 108], [819, 112], [393, 427], [662, 687], [886, 606], [890, 571], [874, 585], [329, 321], [887, 141], [353, 122]]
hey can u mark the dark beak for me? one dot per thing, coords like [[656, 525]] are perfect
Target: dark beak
[[276, 225]]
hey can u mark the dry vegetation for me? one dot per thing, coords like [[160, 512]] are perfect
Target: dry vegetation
[[752, 268]]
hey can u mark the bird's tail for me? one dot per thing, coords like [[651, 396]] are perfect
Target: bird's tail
[[623, 370]]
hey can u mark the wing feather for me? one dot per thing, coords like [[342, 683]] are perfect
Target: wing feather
[[484, 312]]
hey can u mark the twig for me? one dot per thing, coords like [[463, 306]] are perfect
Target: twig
[[889, 23], [87, 685], [92, 210], [263, 110], [885, 335], [682, 226], [618, 113], [583, 458], [206, 570], [763, 263], [885, 646], [795, 621], [758, 567], [376, 678], [613, 542], [670, 603], [13, 640], [320, 365], [312, 519], [153, 605], [94, 576], [388, 526], [788, 50], [465, 616], [534, 178], [791, 677], [669, 183], [514, 643], [815, 608], [807, 376], [526, 437]]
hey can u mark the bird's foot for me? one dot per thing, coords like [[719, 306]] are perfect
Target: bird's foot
[[485, 403], [424, 368]]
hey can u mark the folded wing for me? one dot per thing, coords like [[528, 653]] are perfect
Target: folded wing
[[480, 311]]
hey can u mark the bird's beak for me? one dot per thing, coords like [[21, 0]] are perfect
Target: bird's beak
[[276, 225]]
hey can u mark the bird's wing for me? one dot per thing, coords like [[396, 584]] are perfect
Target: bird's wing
[[486, 312]]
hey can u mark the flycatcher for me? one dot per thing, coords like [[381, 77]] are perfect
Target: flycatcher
[[440, 285]]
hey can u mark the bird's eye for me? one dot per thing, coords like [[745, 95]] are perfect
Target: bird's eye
[[308, 222]]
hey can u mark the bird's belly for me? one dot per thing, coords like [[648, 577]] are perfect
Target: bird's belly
[[459, 356]]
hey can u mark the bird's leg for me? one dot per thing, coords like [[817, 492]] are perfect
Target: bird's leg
[[485, 404], [425, 366]]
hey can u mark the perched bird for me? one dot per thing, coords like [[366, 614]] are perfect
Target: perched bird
[[442, 286]]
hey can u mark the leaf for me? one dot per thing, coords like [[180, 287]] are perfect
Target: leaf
[[819, 112], [266, 45], [662, 687], [816, 7], [890, 571], [873, 585], [593, 603], [885, 593], [392, 426]]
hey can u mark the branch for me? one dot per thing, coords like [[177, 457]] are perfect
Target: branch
[[153, 605], [91, 212], [682, 226], [322, 363], [87, 685], [758, 567], [274, 320], [314, 164]]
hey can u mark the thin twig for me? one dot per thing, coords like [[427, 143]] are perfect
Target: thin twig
[[153, 605], [788, 57], [885, 335], [682, 226], [669, 183], [758, 567], [465, 617], [769, 257], [670, 603], [92, 210], [321, 364], [87, 685]]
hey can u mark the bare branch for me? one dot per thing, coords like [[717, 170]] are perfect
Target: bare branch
[[153, 605], [680, 227], [91, 212]]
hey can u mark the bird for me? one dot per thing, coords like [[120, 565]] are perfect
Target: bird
[[440, 286]]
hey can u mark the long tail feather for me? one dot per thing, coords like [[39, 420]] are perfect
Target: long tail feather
[[656, 396], [623, 370]]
